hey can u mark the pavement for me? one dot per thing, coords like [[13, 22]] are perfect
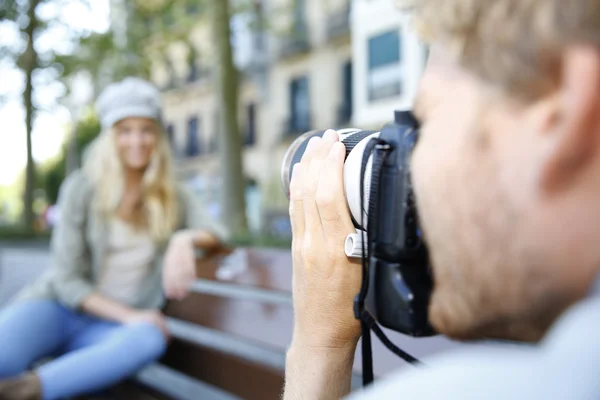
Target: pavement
[[19, 265]]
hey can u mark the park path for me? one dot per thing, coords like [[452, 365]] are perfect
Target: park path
[[20, 265]]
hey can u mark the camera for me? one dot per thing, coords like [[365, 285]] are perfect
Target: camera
[[397, 282]]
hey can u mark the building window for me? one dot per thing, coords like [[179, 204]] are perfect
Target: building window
[[170, 131], [345, 110], [192, 60], [250, 134], [384, 66], [259, 20], [193, 7], [300, 17], [193, 139], [299, 106], [192, 72], [213, 143]]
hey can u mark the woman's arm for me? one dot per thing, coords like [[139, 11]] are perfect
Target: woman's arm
[[199, 231], [111, 310], [199, 238], [105, 308], [71, 261]]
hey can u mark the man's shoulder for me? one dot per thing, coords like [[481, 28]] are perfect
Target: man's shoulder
[[564, 365]]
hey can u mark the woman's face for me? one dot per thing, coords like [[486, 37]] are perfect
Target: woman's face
[[136, 140]]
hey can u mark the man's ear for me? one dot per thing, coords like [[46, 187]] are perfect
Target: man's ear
[[575, 131]]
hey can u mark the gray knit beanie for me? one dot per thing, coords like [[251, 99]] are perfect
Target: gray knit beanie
[[132, 97]]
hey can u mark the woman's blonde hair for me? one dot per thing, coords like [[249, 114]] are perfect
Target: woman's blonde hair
[[159, 210]]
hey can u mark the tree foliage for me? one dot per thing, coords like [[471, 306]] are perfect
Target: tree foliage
[[52, 175], [23, 17]]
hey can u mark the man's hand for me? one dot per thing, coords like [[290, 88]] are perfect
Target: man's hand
[[179, 266], [325, 281], [153, 317], [319, 362]]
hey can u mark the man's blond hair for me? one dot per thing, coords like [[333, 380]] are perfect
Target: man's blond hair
[[514, 44]]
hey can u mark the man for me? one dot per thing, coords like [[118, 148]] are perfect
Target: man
[[507, 177]]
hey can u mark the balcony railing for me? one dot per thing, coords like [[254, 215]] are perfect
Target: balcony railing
[[296, 43]]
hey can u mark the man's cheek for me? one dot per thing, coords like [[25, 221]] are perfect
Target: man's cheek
[[425, 165]]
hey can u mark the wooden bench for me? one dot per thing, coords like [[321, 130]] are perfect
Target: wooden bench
[[231, 334]]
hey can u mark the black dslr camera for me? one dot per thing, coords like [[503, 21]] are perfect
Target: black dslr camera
[[377, 180], [397, 279]]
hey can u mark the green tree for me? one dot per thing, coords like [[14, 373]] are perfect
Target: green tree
[[53, 174], [24, 17], [230, 140]]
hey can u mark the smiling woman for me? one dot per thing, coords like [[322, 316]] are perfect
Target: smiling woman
[[99, 304]]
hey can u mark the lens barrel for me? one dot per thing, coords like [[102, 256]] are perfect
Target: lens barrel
[[349, 137]]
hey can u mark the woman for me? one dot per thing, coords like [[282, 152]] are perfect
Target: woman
[[97, 310]]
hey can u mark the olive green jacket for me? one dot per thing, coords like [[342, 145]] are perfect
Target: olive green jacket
[[78, 247]]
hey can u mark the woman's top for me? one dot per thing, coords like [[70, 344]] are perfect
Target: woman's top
[[80, 247], [128, 263]]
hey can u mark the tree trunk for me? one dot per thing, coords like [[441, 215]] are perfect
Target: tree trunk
[[230, 140], [30, 62]]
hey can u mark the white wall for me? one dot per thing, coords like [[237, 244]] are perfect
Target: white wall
[[370, 18]]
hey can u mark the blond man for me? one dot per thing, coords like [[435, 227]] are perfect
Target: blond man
[[510, 103]]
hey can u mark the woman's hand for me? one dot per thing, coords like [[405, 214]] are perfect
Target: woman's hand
[[153, 317], [179, 266]]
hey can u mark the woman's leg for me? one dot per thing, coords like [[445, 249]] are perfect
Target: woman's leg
[[30, 331], [101, 355]]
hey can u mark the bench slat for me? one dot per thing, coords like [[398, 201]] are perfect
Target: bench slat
[[267, 324], [269, 269], [226, 343], [239, 292], [178, 385], [247, 380]]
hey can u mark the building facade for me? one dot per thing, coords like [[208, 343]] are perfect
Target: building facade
[[388, 59], [317, 64]]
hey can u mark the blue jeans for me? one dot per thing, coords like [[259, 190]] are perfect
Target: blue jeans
[[91, 354]]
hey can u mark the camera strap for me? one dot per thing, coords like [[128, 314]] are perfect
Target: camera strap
[[367, 321]]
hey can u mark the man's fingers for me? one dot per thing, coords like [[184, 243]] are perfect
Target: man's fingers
[[320, 152], [296, 208], [330, 197], [309, 153], [312, 220]]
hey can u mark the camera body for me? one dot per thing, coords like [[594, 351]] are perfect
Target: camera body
[[400, 280], [381, 202]]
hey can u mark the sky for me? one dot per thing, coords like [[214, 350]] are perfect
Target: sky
[[50, 126]]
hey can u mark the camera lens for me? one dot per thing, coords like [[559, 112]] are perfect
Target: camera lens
[[355, 141], [349, 137], [293, 156]]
